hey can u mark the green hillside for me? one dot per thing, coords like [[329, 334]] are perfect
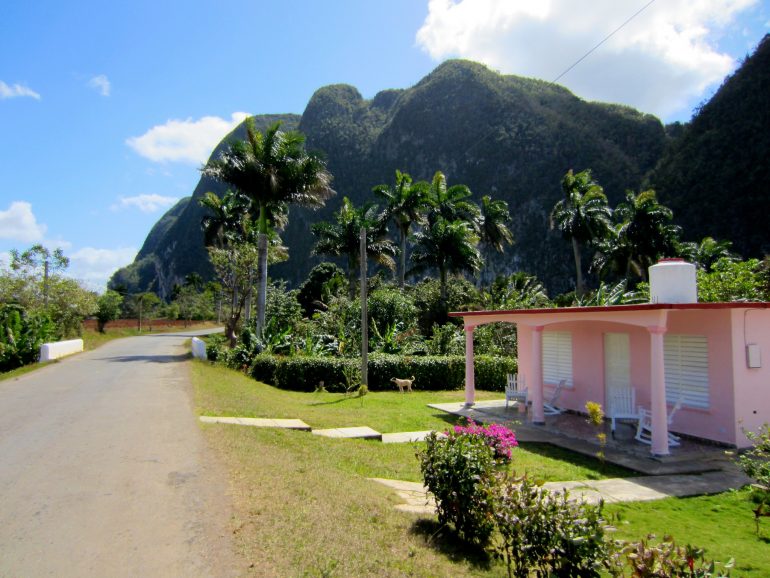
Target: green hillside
[[511, 137], [715, 175]]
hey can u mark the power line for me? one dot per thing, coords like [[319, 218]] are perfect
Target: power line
[[605, 39]]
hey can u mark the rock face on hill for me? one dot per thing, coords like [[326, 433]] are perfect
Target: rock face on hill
[[510, 137], [716, 174]]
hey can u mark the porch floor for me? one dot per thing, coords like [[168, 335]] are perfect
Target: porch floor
[[573, 432]]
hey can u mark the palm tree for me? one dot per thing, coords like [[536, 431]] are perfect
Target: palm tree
[[645, 231], [271, 169], [406, 203], [342, 238], [450, 247], [582, 216], [707, 252], [227, 220], [451, 203], [494, 233]]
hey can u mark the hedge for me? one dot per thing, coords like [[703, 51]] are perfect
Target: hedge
[[431, 372]]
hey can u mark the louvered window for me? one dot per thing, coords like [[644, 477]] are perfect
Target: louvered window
[[687, 370], [557, 357]]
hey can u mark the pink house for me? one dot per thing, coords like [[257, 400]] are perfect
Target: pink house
[[706, 356]]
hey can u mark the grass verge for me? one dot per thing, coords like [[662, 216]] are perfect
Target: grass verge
[[303, 504], [722, 524]]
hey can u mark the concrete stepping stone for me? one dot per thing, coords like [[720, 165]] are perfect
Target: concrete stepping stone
[[296, 424], [406, 437], [361, 432]]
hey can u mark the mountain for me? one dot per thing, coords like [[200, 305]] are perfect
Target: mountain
[[510, 137], [715, 174]]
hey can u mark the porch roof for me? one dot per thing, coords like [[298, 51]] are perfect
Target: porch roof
[[641, 314]]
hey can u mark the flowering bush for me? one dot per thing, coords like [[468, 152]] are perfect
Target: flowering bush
[[496, 436]]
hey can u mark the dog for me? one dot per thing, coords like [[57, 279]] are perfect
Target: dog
[[403, 383]]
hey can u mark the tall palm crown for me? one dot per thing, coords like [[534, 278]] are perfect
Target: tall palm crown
[[227, 220], [645, 228], [271, 169], [342, 238], [451, 203], [406, 203], [494, 233], [583, 216], [450, 247]]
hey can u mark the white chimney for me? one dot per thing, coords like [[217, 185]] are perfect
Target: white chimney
[[673, 281]]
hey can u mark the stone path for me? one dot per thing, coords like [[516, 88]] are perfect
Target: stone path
[[645, 488], [360, 432], [416, 499]]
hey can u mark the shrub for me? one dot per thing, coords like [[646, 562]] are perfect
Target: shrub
[[545, 532], [432, 373], [496, 436], [663, 560], [458, 470], [21, 335]]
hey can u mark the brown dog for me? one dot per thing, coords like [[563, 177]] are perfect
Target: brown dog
[[403, 383]]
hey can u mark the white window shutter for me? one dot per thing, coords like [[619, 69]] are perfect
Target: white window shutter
[[557, 357], [687, 370]]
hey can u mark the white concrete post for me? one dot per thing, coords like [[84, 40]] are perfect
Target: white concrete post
[[470, 384], [535, 386], [658, 393]]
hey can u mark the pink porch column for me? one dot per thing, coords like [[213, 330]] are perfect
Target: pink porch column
[[658, 393], [470, 384], [535, 385]]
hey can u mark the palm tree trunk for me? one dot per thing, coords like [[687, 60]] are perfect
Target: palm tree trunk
[[402, 264], [578, 268], [261, 281], [352, 270]]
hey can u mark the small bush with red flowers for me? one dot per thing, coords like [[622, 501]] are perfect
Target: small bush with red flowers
[[498, 437]]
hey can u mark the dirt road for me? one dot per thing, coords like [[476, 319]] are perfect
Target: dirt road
[[105, 472]]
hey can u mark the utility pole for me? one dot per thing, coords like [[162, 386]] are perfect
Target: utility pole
[[364, 321]]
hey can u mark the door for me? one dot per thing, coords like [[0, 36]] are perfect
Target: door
[[617, 370]]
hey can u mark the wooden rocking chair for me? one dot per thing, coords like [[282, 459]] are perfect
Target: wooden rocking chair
[[515, 390], [644, 429]]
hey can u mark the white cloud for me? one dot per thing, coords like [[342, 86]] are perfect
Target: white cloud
[[145, 203], [18, 223], [96, 266], [101, 84], [16, 90], [658, 62], [189, 141]]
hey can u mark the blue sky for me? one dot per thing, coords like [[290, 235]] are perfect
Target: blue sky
[[108, 109]]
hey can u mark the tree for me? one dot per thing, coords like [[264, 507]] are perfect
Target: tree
[[582, 216], [320, 284], [109, 308], [451, 203], [731, 280], [405, 204], [642, 235], [228, 219], [39, 256], [450, 247], [706, 253], [145, 305], [342, 239], [494, 233], [272, 169], [233, 266]]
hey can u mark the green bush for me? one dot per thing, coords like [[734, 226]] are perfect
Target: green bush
[[459, 471], [21, 335], [432, 373], [546, 532]]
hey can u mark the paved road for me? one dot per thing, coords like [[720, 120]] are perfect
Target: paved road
[[104, 470]]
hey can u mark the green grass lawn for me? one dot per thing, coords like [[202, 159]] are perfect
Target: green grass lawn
[[722, 524], [305, 508]]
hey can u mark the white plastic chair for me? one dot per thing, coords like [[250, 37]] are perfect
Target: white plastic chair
[[515, 390], [549, 407], [622, 405], [644, 429]]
